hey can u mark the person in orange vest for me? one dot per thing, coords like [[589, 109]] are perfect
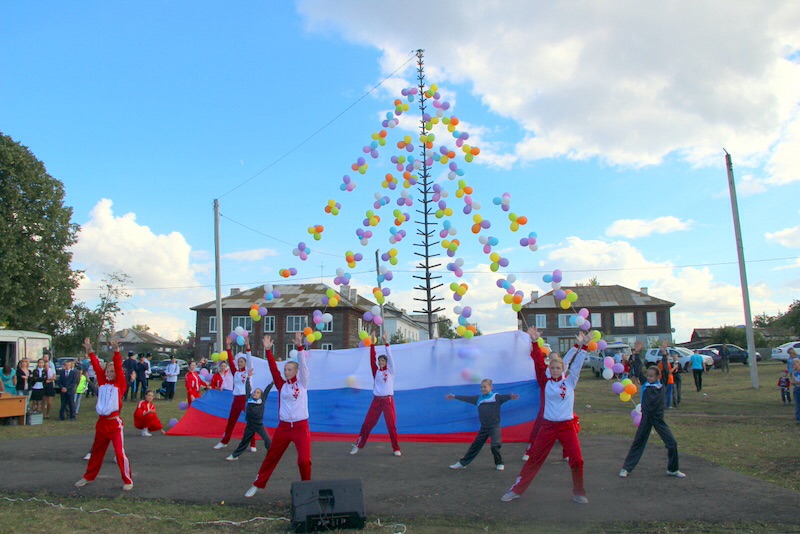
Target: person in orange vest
[[666, 373]]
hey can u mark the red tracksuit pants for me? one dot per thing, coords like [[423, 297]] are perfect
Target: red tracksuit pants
[[298, 433], [385, 406], [537, 426], [565, 433], [237, 407], [151, 422], [108, 430]]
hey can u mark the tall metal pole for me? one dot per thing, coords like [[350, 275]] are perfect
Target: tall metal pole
[[748, 318], [377, 274], [218, 265], [427, 230]]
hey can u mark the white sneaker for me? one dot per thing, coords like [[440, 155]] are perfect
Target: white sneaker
[[580, 499], [623, 473], [146, 434], [525, 457], [354, 450], [82, 482], [220, 445], [252, 491], [398, 453], [678, 474], [510, 496], [253, 449], [458, 465], [565, 459], [127, 487], [500, 467], [231, 458], [88, 456]]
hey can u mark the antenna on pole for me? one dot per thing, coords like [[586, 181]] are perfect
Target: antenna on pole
[[748, 318], [425, 227]]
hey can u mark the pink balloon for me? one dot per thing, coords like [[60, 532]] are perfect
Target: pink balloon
[[583, 312], [378, 320]]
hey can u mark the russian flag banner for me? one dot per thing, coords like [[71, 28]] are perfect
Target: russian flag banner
[[340, 391]]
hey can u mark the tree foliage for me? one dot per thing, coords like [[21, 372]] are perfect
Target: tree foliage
[[737, 336], [35, 235], [790, 320], [397, 338]]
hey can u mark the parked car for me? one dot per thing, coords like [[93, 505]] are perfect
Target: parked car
[[594, 360], [781, 353], [736, 354], [61, 361], [159, 369], [714, 355], [653, 356]]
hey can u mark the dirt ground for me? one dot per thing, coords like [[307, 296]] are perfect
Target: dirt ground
[[417, 485]]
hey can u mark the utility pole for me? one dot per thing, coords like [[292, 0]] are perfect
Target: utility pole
[[427, 231], [377, 279], [218, 264], [748, 318]]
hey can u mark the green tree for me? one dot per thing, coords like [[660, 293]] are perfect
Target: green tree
[[737, 336], [397, 338], [445, 328], [142, 327], [35, 235], [79, 323], [114, 290]]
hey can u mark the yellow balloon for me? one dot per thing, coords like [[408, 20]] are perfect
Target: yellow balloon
[[624, 396]]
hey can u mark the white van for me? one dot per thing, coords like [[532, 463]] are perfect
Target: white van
[[18, 344]]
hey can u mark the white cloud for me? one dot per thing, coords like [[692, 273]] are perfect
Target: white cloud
[[163, 275], [633, 228], [250, 255], [788, 237], [626, 82]]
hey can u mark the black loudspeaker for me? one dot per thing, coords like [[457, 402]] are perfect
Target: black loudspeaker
[[327, 505]]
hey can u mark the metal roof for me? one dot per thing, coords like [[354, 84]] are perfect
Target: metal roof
[[131, 335], [292, 296], [600, 297]]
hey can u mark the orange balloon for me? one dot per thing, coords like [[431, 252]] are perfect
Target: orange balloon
[[254, 307], [546, 351], [630, 389], [522, 220], [475, 151], [454, 120], [592, 346], [468, 190]]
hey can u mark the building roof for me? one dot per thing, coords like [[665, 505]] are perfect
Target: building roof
[[600, 297], [292, 296], [131, 336]]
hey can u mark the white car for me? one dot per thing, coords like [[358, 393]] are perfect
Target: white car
[[782, 353], [653, 356]]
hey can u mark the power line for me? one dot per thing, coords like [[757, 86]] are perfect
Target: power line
[[545, 271], [307, 139], [279, 240]]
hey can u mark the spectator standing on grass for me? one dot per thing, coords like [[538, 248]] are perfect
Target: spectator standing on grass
[[171, 373], [23, 377], [142, 372], [91, 376], [677, 371], [129, 366], [67, 384], [725, 359], [80, 391], [49, 386], [795, 375], [666, 373], [792, 356], [698, 368], [785, 383], [9, 377]]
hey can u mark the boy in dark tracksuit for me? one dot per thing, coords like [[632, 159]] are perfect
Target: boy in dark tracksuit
[[489, 414], [254, 417], [653, 404]]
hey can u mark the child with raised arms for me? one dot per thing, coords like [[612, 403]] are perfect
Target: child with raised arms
[[653, 404], [145, 417], [109, 425], [254, 416], [239, 389], [383, 398], [488, 404], [292, 415], [193, 383], [558, 420]]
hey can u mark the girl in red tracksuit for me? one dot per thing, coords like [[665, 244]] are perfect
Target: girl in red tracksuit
[[193, 384], [239, 389], [557, 423], [222, 379], [292, 416], [145, 417], [109, 424], [383, 400]]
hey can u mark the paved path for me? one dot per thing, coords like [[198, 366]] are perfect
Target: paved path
[[419, 484]]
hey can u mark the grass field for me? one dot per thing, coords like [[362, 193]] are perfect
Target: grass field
[[738, 427]]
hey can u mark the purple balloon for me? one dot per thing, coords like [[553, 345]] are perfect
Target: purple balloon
[[173, 422], [386, 291], [466, 312], [557, 276], [183, 405], [617, 388], [618, 369], [276, 293], [560, 294]]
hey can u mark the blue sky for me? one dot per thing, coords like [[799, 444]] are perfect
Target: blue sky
[[604, 121]]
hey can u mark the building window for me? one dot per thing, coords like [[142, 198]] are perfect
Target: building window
[[563, 320], [651, 319], [596, 320], [623, 319], [541, 320], [269, 323], [296, 323], [212, 325], [243, 321], [326, 346], [326, 327], [289, 349]]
